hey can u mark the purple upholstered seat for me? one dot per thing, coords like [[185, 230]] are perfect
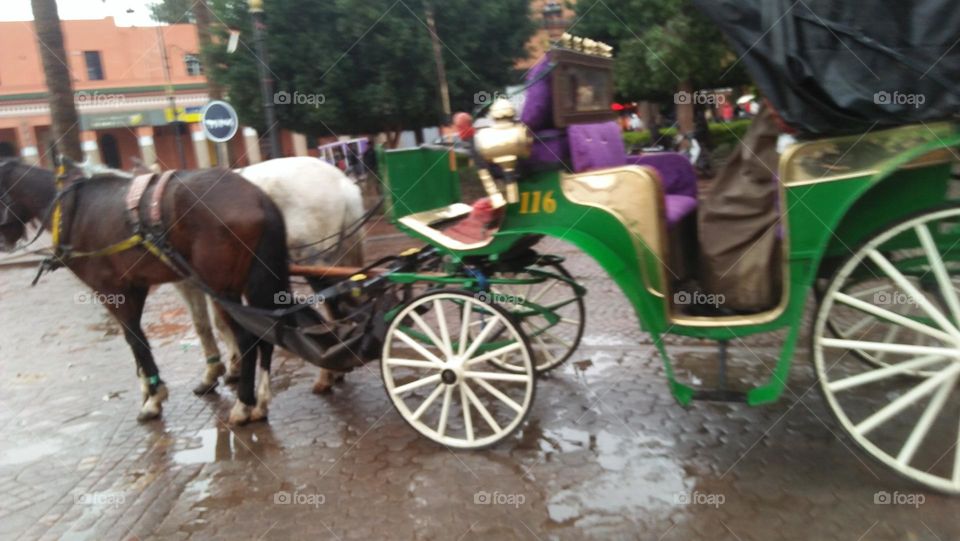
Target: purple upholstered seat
[[587, 147], [678, 207], [537, 111], [596, 146], [599, 146], [550, 148], [675, 170]]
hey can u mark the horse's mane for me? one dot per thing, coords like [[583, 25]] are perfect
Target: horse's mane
[[93, 170]]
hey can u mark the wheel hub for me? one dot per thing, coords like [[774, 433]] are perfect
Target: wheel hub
[[448, 376]]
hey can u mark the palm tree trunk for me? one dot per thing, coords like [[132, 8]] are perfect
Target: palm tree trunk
[[63, 112]]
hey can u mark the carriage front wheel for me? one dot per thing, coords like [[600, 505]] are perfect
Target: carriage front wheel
[[904, 412], [435, 366]]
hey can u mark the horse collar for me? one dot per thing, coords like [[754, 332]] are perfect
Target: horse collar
[[135, 196]]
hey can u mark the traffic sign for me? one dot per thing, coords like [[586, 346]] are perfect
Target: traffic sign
[[219, 120]]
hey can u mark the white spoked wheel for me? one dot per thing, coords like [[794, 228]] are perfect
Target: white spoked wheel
[[435, 368], [551, 312], [848, 322], [904, 410]]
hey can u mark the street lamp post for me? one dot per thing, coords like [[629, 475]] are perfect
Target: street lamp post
[[266, 82], [171, 97]]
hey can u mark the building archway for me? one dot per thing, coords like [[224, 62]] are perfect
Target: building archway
[[7, 150], [110, 151]]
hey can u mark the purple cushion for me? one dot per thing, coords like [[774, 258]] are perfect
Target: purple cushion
[[679, 207], [549, 148], [596, 146], [675, 170], [537, 111]]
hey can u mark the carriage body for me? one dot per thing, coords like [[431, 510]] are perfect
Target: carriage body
[[826, 214], [874, 212]]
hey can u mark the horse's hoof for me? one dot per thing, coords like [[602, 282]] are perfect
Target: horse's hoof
[[147, 416], [322, 388], [258, 414], [204, 388], [240, 414], [231, 379]]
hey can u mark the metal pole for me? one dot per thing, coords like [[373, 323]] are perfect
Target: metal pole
[[266, 82], [170, 98]]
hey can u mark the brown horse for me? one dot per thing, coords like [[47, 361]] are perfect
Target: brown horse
[[227, 230]]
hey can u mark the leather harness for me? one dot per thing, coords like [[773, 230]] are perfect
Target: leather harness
[[146, 233], [135, 198]]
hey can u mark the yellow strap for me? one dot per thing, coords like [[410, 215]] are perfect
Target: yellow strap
[[121, 246], [153, 249], [124, 245], [57, 209]]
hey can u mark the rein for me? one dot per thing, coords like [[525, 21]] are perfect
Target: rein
[[346, 232]]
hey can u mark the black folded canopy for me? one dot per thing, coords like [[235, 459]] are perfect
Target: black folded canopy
[[844, 66]]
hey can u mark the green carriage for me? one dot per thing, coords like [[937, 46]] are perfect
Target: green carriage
[[869, 227]]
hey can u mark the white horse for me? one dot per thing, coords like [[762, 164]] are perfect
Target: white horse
[[317, 201]]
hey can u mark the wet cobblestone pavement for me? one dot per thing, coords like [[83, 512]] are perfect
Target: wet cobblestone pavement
[[606, 453]]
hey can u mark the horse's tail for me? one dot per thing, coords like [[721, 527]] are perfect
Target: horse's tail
[[268, 283], [269, 277], [353, 214]]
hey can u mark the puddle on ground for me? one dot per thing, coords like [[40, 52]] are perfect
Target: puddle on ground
[[29, 453], [208, 452], [220, 444], [656, 480]]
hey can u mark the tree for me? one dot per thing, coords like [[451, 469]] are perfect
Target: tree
[[173, 11], [199, 13], [63, 111], [665, 50], [366, 66]]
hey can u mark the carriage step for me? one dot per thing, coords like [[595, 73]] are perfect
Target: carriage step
[[719, 395]]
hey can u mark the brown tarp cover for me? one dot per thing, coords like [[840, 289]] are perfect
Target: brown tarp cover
[[738, 220]]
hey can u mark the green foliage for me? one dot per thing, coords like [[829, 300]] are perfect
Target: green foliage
[[723, 135], [660, 43], [371, 60], [172, 11]]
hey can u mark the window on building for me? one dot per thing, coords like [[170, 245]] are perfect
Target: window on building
[[194, 68], [94, 66]]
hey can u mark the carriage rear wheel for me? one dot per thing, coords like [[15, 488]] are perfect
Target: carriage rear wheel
[[847, 321], [903, 409], [435, 369]]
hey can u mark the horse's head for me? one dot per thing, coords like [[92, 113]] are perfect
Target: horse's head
[[13, 215]]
